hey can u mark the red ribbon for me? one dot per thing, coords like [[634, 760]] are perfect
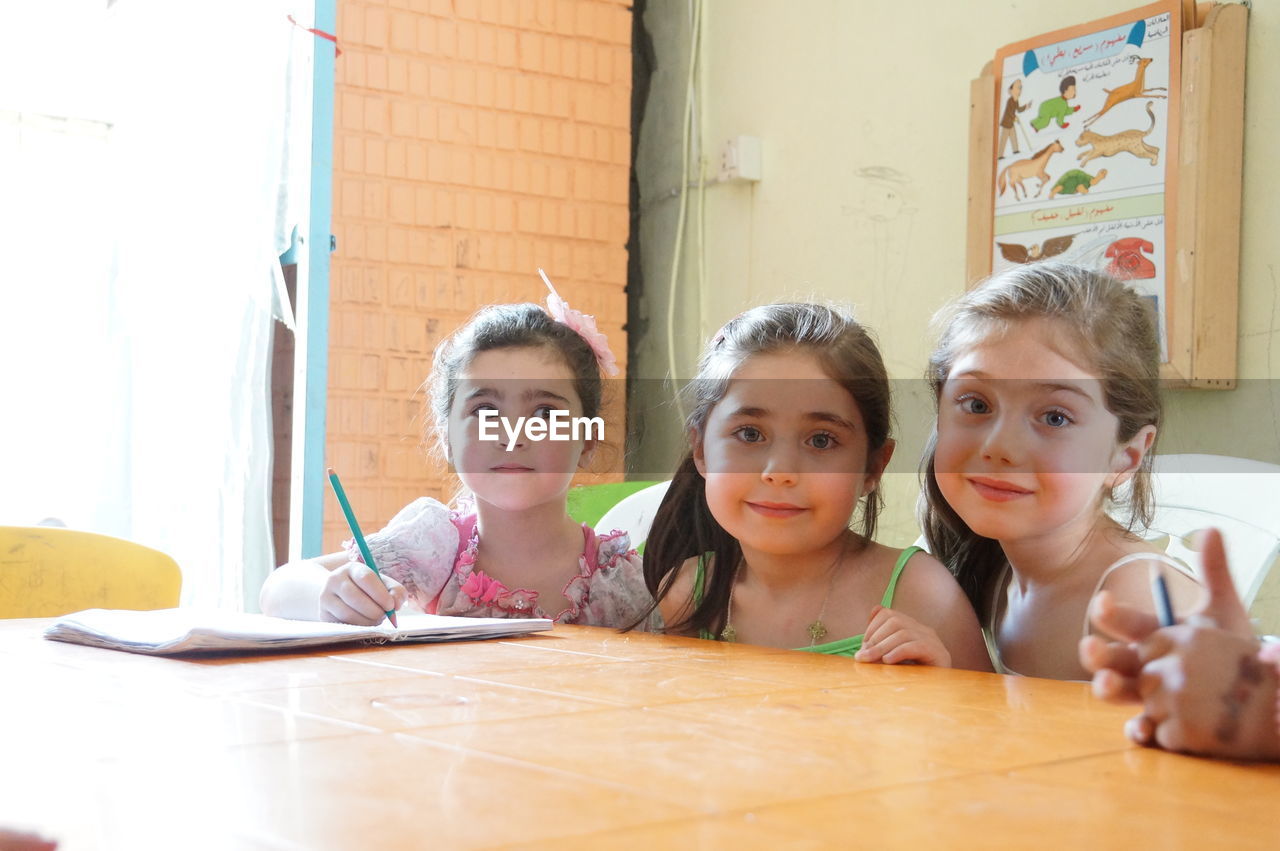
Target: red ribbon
[[337, 51]]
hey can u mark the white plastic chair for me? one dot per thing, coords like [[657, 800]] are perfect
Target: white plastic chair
[[634, 514], [1237, 495]]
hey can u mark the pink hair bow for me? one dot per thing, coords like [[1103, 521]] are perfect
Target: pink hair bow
[[584, 325]]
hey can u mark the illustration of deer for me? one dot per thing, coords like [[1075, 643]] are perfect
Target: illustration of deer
[[1133, 89]]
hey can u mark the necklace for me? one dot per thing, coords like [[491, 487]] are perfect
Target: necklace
[[817, 630]]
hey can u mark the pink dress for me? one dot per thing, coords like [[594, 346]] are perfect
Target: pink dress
[[431, 550]]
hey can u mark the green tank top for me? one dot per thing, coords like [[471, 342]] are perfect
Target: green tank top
[[843, 647]]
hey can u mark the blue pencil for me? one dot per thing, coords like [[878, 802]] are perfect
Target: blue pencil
[[355, 531], [1160, 590]]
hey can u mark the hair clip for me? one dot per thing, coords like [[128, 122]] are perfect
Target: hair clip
[[719, 337], [583, 325]]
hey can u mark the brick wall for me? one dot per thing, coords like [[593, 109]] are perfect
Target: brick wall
[[474, 141]]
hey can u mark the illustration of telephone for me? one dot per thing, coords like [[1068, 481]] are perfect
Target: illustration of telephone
[[1128, 262]]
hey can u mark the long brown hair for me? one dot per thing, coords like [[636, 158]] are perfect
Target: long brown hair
[[683, 526], [1113, 328]]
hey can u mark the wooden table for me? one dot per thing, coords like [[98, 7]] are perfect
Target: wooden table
[[586, 738]]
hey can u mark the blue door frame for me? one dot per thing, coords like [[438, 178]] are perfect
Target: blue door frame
[[313, 313]]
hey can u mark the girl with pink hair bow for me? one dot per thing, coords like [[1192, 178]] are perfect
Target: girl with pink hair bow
[[508, 547]]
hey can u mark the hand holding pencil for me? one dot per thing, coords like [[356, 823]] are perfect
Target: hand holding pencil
[[1202, 687], [358, 593], [1117, 664], [355, 594]]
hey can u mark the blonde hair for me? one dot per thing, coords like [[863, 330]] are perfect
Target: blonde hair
[[1112, 327]]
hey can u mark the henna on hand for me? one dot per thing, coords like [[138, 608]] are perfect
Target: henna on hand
[[1248, 676]]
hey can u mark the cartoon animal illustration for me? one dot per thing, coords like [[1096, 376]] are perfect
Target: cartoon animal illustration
[[1057, 109], [1077, 182], [1135, 88], [1015, 253], [1128, 259], [1126, 141], [1019, 170]]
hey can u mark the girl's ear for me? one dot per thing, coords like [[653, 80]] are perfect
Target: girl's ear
[[876, 464], [588, 452], [1129, 456], [442, 444], [699, 457]]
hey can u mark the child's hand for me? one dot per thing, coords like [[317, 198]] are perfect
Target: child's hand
[[355, 594], [892, 638], [1204, 691], [1116, 665], [1200, 683]]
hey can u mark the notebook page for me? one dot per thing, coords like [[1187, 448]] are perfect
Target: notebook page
[[190, 629], [195, 628]]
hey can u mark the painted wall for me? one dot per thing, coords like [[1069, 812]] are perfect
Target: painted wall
[[475, 140], [863, 109]]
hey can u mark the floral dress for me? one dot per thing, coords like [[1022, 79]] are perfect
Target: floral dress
[[431, 550]]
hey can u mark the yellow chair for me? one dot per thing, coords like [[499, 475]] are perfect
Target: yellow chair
[[48, 571]]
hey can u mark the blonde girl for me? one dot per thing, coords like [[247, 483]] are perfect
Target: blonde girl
[[1047, 385]]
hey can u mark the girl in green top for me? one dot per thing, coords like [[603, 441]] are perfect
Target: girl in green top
[[789, 435]]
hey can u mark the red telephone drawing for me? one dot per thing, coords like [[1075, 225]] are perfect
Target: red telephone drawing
[[1128, 261]]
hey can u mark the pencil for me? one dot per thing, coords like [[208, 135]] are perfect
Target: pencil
[[1160, 590], [355, 531]]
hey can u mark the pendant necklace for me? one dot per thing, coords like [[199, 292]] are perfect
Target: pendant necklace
[[817, 630]]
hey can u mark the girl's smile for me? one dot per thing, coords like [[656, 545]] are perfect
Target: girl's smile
[[995, 489], [776, 509]]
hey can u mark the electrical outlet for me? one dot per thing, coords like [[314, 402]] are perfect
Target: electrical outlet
[[740, 159]]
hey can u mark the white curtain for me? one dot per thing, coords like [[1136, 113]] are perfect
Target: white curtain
[[145, 195]]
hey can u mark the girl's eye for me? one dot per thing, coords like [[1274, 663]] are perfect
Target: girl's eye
[[483, 406], [749, 434], [823, 440], [974, 405], [1056, 419], [543, 412]]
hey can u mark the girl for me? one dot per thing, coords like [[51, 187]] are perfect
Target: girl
[[1047, 385], [511, 550], [789, 432]]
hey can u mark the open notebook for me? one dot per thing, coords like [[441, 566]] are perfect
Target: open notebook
[[165, 632]]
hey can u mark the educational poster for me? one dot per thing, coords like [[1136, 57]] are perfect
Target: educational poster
[[1085, 137]]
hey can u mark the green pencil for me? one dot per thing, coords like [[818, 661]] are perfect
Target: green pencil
[[355, 531]]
